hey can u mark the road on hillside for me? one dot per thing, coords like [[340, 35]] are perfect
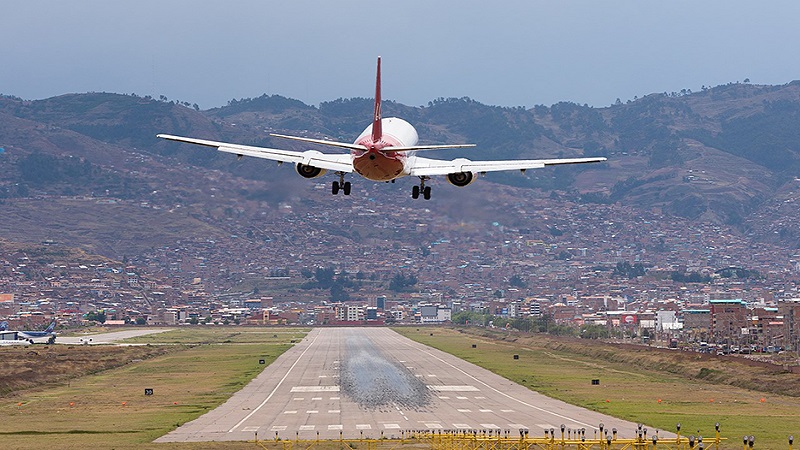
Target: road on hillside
[[372, 382]]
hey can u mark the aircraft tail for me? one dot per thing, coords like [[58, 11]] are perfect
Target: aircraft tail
[[377, 127], [51, 327]]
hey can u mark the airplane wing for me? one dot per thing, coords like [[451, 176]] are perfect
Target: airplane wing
[[329, 161], [431, 167]]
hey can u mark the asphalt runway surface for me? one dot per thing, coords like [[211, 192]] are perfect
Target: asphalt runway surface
[[372, 383]]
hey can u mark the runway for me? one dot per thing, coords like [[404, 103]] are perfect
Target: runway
[[372, 382], [107, 338]]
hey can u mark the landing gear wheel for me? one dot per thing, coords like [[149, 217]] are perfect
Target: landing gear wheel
[[346, 188], [335, 188], [415, 192], [426, 193]]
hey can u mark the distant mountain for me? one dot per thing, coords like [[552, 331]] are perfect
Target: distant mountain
[[728, 154]]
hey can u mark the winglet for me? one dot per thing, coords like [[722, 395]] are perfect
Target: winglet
[[377, 128]]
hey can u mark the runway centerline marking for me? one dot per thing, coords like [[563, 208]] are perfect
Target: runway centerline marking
[[276, 387]]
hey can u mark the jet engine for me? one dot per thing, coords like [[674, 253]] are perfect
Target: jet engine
[[309, 171], [461, 179]]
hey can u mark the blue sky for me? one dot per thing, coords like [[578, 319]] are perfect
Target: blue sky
[[508, 53]]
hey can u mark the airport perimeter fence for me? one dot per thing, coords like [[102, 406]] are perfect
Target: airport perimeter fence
[[506, 440]]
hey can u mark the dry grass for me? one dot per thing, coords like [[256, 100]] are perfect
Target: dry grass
[[657, 388], [29, 367]]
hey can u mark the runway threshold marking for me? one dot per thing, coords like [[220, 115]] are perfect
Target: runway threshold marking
[[306, 389], [503, 393], [276, 387], [450, 388]]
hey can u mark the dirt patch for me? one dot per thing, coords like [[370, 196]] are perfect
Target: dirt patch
[[30, 367]]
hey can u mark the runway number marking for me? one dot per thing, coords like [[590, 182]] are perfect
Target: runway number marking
[[489, 425], [335, 427], [306, 428], [363, 426], [461, 426], [252, 429], [391, 426], [275, 428]]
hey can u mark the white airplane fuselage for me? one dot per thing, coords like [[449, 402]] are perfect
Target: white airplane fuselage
[[384, 151], [378, 164]]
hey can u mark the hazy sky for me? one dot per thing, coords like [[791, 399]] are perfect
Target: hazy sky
[[509, 53]]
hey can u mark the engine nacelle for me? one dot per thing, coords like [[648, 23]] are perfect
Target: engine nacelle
[[308, 171], [461, 179]]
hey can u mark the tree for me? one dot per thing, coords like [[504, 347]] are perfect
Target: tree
[[97, 316], [338, 294], [141, 321], [401, 283], [517, 281]]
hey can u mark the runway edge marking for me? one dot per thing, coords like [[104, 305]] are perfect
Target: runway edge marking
[[421, 348], [276, 387]]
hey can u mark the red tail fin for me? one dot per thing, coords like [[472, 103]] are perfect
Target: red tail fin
[[377, 128]]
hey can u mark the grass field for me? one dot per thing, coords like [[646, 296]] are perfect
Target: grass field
[[204, 366], [110, 410], [628, 389]]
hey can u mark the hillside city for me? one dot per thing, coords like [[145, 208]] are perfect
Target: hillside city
[[686, 237], [547, 264]]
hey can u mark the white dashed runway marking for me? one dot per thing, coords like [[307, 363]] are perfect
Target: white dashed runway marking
[[458, 388]]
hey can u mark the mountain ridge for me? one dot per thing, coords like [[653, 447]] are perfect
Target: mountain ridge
[[723, 155]]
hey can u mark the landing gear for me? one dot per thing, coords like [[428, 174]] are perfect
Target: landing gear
[[341, 184], [421, 189]]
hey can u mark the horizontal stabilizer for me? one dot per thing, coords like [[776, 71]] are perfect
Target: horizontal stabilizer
[[321, 142]]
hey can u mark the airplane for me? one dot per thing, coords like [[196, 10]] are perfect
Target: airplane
[[384, 151], [31, 336]]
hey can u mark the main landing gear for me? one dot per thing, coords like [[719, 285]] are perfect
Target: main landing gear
[[424, 190], [341, 184]]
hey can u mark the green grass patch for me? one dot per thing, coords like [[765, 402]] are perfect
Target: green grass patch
[[629, 388], [110, 410], [222, 335]]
